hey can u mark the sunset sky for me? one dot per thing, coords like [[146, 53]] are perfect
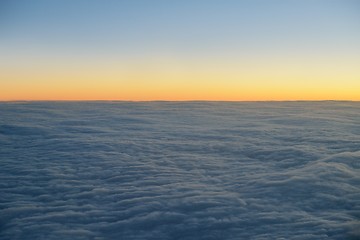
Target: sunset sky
[[180, 50]]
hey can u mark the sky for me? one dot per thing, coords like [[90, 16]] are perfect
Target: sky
[[180, 50]]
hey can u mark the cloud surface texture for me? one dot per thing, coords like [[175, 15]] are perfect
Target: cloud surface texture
[[179, 170]]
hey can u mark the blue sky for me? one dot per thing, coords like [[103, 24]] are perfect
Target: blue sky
[[181, 25], [166, 43]]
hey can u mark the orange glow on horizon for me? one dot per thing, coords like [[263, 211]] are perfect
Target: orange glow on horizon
[[262, 80], [178, 93]]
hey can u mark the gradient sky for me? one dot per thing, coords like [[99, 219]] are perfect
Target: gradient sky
[[180, 50]]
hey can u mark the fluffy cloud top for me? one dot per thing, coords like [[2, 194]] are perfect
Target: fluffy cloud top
[[193, 170]]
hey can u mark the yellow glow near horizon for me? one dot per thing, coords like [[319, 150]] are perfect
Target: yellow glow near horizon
[[235, 80]]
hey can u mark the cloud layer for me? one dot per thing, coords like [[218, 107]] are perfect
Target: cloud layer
[[192, 170]]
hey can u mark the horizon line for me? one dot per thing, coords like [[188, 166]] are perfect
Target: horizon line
[[115, 100]]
